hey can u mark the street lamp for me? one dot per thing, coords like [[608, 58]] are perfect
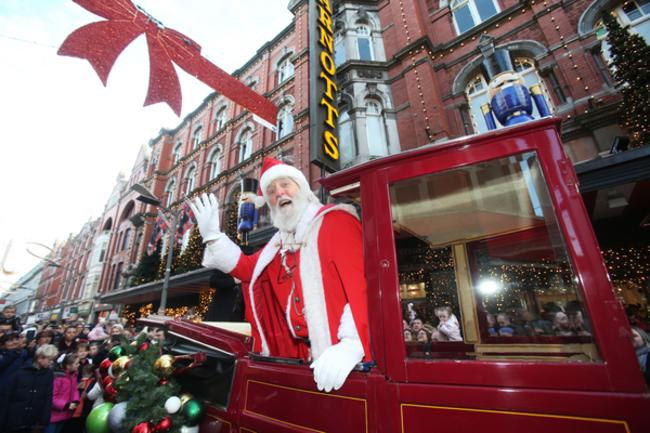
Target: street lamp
[[147, 197]]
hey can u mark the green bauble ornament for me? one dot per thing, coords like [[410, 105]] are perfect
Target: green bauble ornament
[[116, 352], [97, 421], [193, 410]]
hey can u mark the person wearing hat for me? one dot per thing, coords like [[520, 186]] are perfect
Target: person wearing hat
[[305, 291]]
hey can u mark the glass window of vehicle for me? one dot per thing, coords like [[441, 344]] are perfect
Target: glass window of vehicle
[[470, 13], [482, 260]]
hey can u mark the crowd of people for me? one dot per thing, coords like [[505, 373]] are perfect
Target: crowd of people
[[47, 372], [420, 330]]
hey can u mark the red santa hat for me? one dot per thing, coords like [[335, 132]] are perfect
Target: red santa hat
[[273, 169]]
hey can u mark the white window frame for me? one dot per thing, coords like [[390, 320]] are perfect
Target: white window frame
[[457, 5], [373, 113], [221, 118], [339, 45], [170, 189], [246, 145], [176, 152], [285, 70], [215, 164], [196, 137], [285, 121], [364, 32], [190, 174]]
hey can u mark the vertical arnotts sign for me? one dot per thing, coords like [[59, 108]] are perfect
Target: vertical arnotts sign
[[323, 109]]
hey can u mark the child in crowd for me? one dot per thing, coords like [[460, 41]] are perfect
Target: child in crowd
[[93, 348], [26, 398], [448, 323], [65, 395], [9, 317], [87, 381], [83, 349]]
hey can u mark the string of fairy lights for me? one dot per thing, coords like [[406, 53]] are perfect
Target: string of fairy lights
[[415, 70], [519, 283]]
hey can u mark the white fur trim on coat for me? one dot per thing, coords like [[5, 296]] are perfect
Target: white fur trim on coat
[[222, 254]]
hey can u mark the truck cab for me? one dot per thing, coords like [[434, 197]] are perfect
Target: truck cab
[[489, 229]]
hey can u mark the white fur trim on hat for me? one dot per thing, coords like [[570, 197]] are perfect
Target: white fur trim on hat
[[279, 171]]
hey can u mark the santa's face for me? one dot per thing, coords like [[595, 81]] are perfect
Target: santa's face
[[287, 203]]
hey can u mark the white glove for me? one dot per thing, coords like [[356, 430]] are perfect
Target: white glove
[[335, 364], [206, 213]]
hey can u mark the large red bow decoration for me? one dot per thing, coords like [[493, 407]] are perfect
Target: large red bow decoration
[[102, 42]]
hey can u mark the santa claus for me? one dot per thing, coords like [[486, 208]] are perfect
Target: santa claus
[[305, 290]]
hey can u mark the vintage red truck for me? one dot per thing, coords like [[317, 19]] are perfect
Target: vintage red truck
[[486, 223]]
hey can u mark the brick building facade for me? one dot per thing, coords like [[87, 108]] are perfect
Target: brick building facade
[[408, 76]]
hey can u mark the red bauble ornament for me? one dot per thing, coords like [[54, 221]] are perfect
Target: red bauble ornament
[[143, 346], [103, 367], [143, 427], [109, 393], [107, 381], [162, 382], [165, 425]]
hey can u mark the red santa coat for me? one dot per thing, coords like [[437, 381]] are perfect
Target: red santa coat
[[331, 275]]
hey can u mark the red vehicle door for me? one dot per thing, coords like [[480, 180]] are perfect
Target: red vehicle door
[[487, 238]]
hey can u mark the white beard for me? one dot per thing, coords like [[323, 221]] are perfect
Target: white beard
[[287, 218]]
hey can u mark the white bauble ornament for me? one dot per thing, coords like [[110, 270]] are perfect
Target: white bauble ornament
[[188, 429], [172, 405]]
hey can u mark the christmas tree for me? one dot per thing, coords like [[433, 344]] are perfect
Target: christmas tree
[[147, 269], [144, 390], [630, 57], [192, 257], [175, 262], [231, 222]]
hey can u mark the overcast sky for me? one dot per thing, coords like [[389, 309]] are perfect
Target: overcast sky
[[65, 137]]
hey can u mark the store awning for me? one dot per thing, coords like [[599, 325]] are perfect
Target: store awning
[[179, 285]]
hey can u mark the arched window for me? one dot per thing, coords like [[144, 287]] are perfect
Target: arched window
[[477, 93], [221, 118], [170, 189], [346, 146], [189, 175], [364, 43], [127, 238], [215, 164], [196, 138], [285, 70], [470, 13], [176, 153], [339, 49], [285, 121], [246, 145], [634, 14], [374, 129]]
